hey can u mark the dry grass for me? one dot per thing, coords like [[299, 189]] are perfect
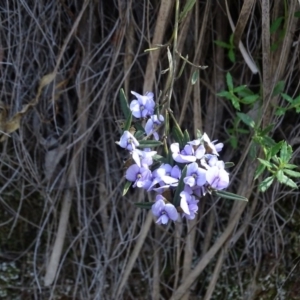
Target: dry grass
[[66, 232]]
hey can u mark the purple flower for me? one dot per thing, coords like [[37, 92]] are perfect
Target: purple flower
[[141, 176], [143, 106], [187, 155], [195, 175], [164, 211], [217, 178], [189, 205], [143, 158], [200, 151], [128, 141], [152, 125], [163, 176]]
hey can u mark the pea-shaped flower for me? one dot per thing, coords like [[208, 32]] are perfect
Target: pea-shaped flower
[[128, 141], [143, 106], [152, 125], [164, 211]]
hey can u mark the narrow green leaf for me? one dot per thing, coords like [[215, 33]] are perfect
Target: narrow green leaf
[[278, 89], [250, 99], [291, 173], [233, 141], [229, 81], [126, 187], [223, 44], [246, 119], [287, 97], [265, 184], [188, 6], [124, 104], [275, 25], [195, 77], [177, 133], [266, 163], [228, 195], [290, 166], [229, 164], [225, 94], [275, 149], [239, 89], [259, 170], [186, 137], [144, 205], [128, 122], [198, 134], [280, 111], [297, 14], [285, 180], [231, 55], [235, 102], [139, 134], [149, 143], [179, 188], [286, 152], [267, 129], [245, 92]]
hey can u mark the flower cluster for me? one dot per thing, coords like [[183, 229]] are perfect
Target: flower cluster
[[193, 169]]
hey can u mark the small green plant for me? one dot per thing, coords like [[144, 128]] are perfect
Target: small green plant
[[276, 155], [229, 46]]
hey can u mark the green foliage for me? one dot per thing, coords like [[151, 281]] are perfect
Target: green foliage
[[229, 46], [124, 104], [276, 155], [126, 187]]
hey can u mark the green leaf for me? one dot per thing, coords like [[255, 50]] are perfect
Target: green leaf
[[286, 152], [124, 104], [223, 45], [225, 94], [291, 173], [198, 134], [259, 170], [287, 97], [233, 141], [144, 205], [276, 24], [278, 89], [266, 163], [186, 137], [229, 165], [195, 77], [188, 6], [231, 55], [239, 89], [267, 129], [297, 14], [160, 158], [250, 99], [245, 92], [246, 119], [149, 143], [177, 132], [235, 102], [228, 195], [285, 180], [126, 187], [229, 81], [265, 184], [280, 111], [275, 149], [128, 122], [139, 134], [180, 188], [290, 166]]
